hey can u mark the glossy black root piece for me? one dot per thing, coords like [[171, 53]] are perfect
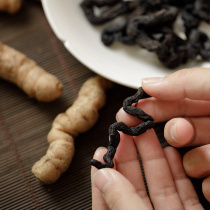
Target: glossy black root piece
[[148, 123]]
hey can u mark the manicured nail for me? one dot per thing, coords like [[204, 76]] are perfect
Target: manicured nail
[[173, 133], [117, 117], [102, 178], [100, 148], [151, 80], [208, 154]]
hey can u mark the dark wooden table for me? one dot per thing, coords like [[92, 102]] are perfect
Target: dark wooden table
[[25, 122]]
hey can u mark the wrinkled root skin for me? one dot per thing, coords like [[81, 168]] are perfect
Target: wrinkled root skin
[[148, 123], [17, 68], [78, 118]]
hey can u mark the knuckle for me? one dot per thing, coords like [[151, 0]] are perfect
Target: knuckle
[[191, 202], [166, 191], [116, 201], [183, 73]]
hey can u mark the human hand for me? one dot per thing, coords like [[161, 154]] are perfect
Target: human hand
[[183, 98], [123, 188]]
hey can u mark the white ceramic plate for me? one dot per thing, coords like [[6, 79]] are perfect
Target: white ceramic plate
[[125, 65]]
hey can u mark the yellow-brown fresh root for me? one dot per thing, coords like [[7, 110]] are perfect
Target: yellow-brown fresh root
[[25, 73], [79, 118], [10, 6]]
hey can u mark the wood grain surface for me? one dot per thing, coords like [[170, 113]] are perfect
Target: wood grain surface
[[25, 122]]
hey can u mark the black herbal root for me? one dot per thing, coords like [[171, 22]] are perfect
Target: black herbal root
[[150, 24], [148, 123]]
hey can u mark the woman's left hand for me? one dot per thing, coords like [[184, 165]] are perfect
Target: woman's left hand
[[123, 188]]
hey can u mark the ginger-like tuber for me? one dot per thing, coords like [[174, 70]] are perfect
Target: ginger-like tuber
[[24, 72], [10, 6], [79, 118]]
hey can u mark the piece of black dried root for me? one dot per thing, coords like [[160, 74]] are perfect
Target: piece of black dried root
[[115, 8], [118, 32], [148, 123]]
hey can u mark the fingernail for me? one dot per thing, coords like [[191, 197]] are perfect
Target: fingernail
[[102, 178], [208, 154], [100, 148], [151, 80], [173, 133], [119, 113], [117, 117]]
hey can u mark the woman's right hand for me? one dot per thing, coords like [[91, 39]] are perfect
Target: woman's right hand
[[182, 99]]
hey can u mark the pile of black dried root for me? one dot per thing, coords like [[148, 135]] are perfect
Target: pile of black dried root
[[148, 123], [149, 23]]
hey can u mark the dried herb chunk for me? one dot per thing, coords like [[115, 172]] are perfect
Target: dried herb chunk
[[112, 33], [148, 123], [116, 8]]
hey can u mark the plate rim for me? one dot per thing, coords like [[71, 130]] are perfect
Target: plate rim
[[73, 52], [67, 44]]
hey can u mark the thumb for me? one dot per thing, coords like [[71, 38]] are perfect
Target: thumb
[[186, 83], [118, 192]]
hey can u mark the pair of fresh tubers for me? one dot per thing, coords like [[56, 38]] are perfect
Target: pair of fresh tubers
[[15, 67], [80, 117]]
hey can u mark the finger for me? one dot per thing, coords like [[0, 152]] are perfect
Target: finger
[[181, 132], [197, 162], [163, 111], [183, 184], [127, 163], [118, 192], [206, 188], [186, 83], [159, 179], [98, 202]]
